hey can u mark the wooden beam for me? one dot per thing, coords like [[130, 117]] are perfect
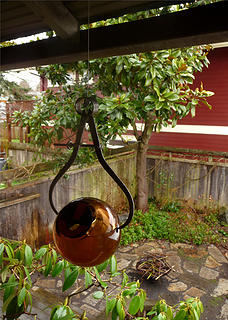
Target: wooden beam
[[12, 202], [56, 16], [201, 25]]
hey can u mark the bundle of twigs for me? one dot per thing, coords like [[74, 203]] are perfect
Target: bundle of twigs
[[153, 266]]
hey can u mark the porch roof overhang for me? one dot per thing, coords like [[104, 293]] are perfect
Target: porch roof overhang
[[200, 25]]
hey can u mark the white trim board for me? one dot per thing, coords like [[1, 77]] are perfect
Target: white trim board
[[187, 128], [182, 128]]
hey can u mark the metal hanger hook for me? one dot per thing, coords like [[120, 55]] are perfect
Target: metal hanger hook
[[86, 107]]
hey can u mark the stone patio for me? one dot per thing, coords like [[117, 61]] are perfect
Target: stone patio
[[198, 271]]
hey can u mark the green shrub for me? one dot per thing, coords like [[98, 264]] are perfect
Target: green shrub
[[176, 224]]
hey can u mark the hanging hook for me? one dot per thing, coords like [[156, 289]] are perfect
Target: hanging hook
[[86, 107]]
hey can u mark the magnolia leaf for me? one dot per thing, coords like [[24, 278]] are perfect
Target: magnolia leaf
[[98, 294], [59, 313], [54, 255], [9, 253], [118, 306], [48, 267], [70, 280], [134, 305], [28, 255], [110, 304], [28, 276], [21, 297], [180, 315], [193, 111], [196, 314], [113, 265], [2, 248], [148, 81], [58, 268], [102, 266], [88, 279]]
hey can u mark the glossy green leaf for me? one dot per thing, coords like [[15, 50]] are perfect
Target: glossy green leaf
[[110, 304], [2, 246], [113, 265], [180, 315], [4, 273], [28, 255], [201, 306], [54, 255], [28, 276], [88, 279], [134, 305], [40, 253], [9, 252], [29, 295], [98, 294], [48, 266], [114, 314], [193, 111], [142, 297], [58, 268], [196, 314], [9, 287], [148, 81], [70, 280], [118, 306], [120, 310], [59, 313], [21, 296], [171, 96]]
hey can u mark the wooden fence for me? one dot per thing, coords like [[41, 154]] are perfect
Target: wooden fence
[[12, 131], [21, 154], [25, 212], [199, 176]]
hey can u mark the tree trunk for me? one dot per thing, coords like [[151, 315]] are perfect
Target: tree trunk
[[141, 177]]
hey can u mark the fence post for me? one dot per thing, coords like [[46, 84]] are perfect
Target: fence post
[[8, 121], [27, 131], [21, 134]]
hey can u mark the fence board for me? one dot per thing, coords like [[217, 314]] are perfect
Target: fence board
[[33, 219], [188, 179]]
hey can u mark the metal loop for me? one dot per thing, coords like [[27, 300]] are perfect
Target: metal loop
[[87, 104], [83, 107]]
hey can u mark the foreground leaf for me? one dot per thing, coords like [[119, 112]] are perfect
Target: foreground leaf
[[134, 305], [70, 280]]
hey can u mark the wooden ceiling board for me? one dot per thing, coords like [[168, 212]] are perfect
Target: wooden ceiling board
[[163, 32], [201, 25], [17, 13]]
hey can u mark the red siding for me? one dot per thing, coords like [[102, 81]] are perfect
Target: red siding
[[214, 78], [190, 141]]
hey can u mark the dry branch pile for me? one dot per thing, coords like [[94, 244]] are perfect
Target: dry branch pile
[[153, 266]]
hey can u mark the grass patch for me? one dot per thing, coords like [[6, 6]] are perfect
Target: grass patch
[[175, 223]]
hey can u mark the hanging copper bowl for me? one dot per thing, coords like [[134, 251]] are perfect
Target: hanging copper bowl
[[86, 232]]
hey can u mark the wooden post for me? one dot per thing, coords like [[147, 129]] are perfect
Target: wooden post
[[8, 127], [27, 131], [21, 134]]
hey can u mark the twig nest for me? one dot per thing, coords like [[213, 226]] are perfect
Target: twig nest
[[153, 266]]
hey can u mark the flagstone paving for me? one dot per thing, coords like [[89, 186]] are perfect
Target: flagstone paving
[[198, 271]]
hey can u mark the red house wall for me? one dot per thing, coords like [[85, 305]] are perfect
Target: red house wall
[[214, 78]]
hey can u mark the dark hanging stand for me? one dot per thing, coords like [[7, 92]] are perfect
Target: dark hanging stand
[[86, 231], [86, 107]]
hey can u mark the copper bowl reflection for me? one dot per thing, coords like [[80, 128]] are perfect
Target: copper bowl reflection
[[85, 232]]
